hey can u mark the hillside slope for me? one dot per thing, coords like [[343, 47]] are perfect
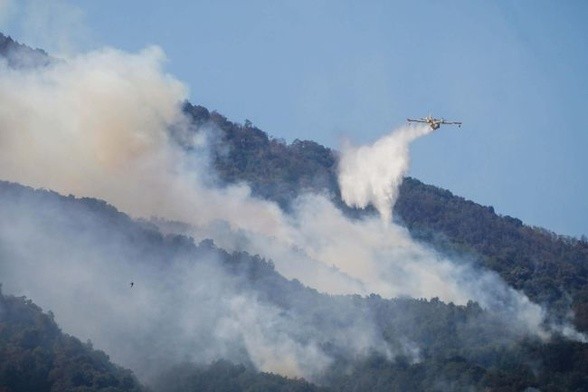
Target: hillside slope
[[418, 344], [36, 356], [19, 55], [199, 304], [550, 269]]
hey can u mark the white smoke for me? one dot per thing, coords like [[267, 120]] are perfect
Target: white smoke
[[372, 174], [266, 339], [98, 125]]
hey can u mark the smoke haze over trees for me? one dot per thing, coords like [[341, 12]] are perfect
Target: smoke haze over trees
[[241, 249]]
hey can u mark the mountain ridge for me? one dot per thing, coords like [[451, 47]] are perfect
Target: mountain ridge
[[437, 345], [526, 257], [18, 55]]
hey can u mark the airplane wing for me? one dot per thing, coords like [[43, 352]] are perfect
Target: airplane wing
[[458, 123], [419, 121]]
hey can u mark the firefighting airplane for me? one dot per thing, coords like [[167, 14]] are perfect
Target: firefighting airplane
[[435, 123]]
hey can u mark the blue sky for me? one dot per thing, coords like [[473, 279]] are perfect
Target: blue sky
[[516, 74]]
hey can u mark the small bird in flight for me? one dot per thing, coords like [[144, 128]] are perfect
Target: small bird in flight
[[132, 284]]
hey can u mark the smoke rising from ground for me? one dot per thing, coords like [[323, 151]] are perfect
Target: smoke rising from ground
[[77, 259], [99, 125]]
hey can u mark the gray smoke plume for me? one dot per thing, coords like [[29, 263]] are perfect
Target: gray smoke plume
[[98, 125]]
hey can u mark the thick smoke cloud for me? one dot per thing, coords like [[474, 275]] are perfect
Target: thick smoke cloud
[[78, 258], [99, 125]]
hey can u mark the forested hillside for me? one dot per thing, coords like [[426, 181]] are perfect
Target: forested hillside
[[187, 314], [434, 346], [550, 269], [36, 356]]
